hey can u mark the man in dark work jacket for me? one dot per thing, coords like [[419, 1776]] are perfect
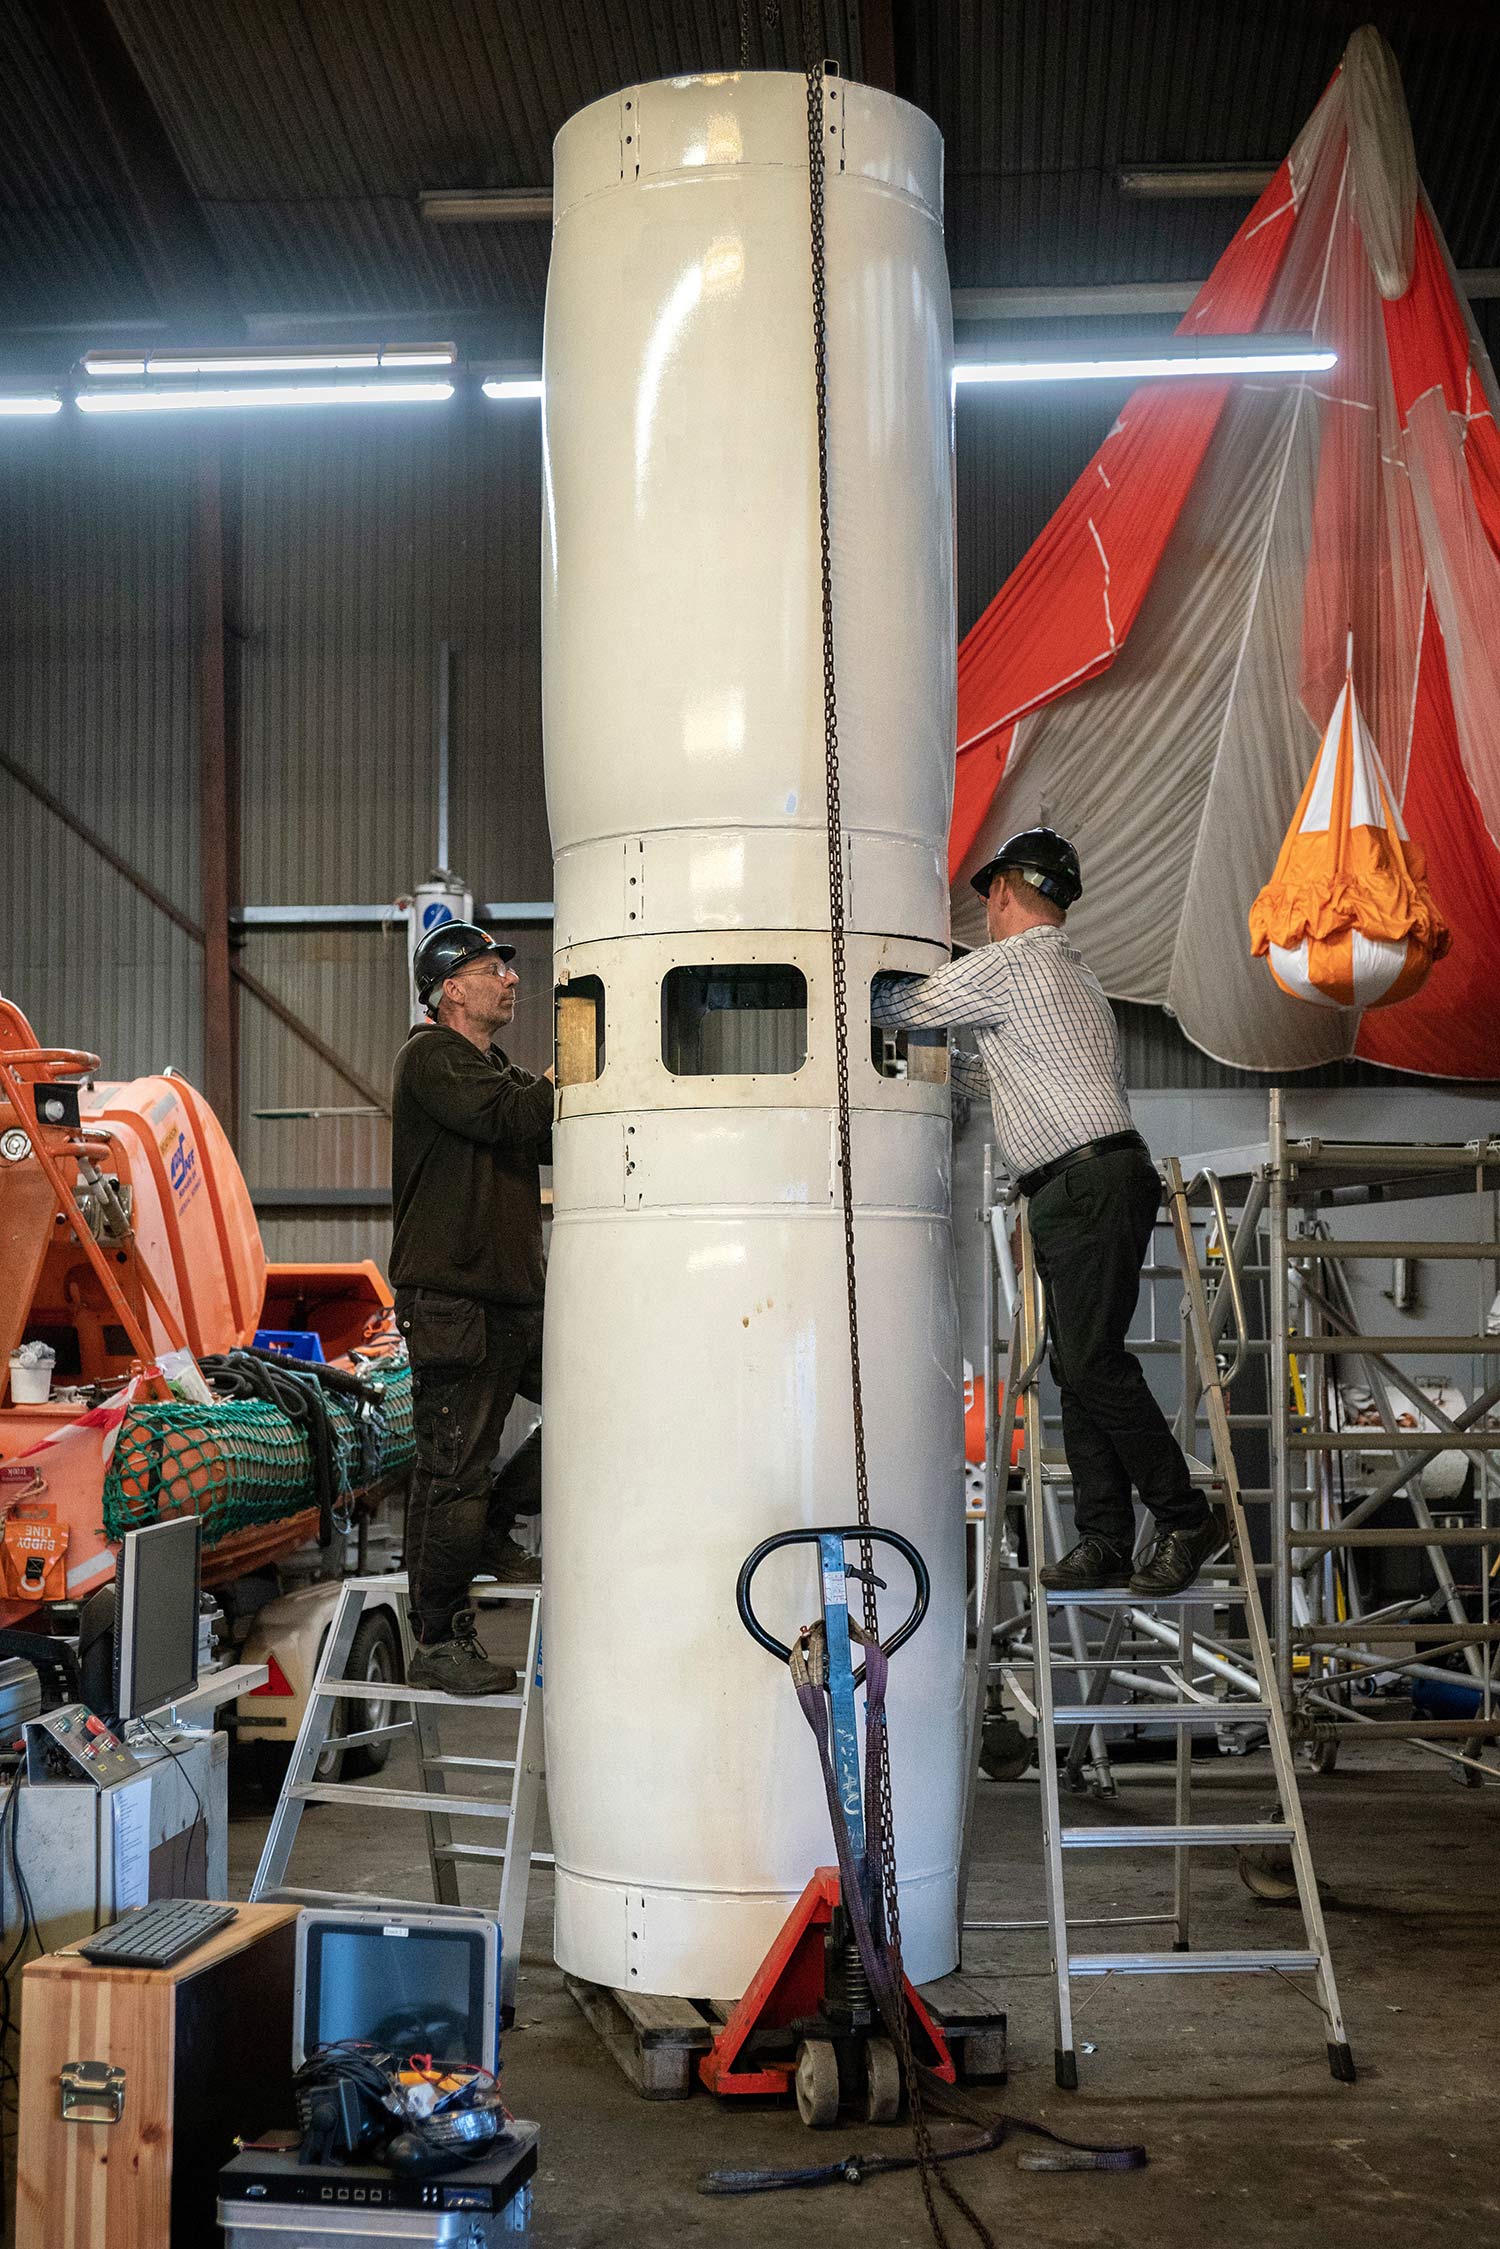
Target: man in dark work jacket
[[468, 1134]]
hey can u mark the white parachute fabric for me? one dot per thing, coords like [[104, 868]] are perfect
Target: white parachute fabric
[[1177, 771], [1465, 582]]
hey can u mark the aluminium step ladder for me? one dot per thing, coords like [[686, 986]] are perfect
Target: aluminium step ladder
[[1231, 1583], [514, 1807]]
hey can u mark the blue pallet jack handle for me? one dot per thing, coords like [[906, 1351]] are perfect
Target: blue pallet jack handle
[[843, 1678]]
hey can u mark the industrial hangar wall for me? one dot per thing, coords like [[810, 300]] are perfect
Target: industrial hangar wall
[[357, 544]]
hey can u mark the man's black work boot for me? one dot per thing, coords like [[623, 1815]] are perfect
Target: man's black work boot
[[459, 1665], [1177, 1557], [1089, 1567], [509, 1564]]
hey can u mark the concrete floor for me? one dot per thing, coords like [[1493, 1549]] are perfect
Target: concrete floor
[[1250, 2141]]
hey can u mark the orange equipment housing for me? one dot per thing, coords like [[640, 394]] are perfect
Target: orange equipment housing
[[127, 1231]]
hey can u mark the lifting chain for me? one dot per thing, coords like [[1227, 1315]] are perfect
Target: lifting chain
[[929, 2172]]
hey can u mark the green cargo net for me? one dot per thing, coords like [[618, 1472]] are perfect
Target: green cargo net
[[241, 1461]]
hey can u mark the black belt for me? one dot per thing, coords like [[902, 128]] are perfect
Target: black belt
[[1032, 1182]]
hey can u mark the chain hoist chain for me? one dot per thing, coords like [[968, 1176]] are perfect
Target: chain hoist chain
[[770, 16], [929, 2172]]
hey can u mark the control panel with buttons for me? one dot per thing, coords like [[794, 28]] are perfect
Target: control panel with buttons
[[72, 1744]]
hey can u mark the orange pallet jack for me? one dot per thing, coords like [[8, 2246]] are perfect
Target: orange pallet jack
[[814, 2019]]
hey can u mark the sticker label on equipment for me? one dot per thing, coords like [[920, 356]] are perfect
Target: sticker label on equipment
[[436, 914], [835, 1590], [393, 1929], [182, 1168]]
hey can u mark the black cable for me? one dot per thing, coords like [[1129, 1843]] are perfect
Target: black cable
[[9, 1818], [301, 1397], [201, 1817]]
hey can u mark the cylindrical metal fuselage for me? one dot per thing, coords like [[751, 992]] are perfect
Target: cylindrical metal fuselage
[[697, 1349]]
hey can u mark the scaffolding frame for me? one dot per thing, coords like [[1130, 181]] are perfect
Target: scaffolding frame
[[1327, 1638], [1277, 1197]]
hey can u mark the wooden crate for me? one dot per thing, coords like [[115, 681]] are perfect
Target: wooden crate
[[206, 2047]]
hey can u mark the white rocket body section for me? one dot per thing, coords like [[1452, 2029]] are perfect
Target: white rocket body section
[[697, 1360]]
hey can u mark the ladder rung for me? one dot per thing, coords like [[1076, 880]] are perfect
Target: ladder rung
[[292, 1893], [467, 1764], [487, 1851], [399, 1799], [369, 1735], [1202, 1594], [392, 1690], [1189, 1963], [1155, 1714], [1079, 1921], [1170, 1838]]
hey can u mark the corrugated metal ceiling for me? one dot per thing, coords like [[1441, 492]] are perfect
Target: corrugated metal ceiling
[[1041, 101], [308, 131], [305, 129], [65, 237]]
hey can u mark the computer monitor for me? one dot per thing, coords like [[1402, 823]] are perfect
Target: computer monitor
[[156, 1616], [415, 1983]]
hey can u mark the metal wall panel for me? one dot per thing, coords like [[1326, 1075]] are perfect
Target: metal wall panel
[[352, 984], [98, 699], [369, 540], [308, 1237], [1158, 1058]]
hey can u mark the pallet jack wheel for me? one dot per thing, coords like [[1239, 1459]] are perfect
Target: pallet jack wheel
[[1005, 1752], [882, 2082], [817, 2083]]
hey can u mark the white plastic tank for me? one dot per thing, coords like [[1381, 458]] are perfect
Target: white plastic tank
[[697, 1360], [442, 897]]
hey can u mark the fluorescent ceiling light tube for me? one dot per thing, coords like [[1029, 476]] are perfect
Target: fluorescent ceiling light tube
[[1191, 182], [529, 386], [181, 396], [30, 406], [276, 360], [483, 206], [1173, 356]]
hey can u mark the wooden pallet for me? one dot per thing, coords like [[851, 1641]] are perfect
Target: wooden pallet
[[973, 2021], [655, 2041]]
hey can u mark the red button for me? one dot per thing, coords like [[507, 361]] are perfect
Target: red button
[[95, 1726]]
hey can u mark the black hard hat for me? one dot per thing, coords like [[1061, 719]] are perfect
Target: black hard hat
[[1046, 859], [447, 949]]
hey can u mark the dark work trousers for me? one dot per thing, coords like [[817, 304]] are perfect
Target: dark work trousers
[[1092, 1227], [470, 1362]]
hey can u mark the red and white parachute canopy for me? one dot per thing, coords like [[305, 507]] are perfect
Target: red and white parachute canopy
[[1155, 675]]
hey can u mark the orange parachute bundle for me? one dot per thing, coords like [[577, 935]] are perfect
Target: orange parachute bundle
[[1347, 919]]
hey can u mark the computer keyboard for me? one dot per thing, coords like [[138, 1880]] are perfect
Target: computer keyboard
[[153, 1936]]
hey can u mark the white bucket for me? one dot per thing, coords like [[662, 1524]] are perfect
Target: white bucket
[[29, 1386]]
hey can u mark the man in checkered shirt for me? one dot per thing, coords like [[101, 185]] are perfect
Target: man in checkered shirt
[[1050, 1063]]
